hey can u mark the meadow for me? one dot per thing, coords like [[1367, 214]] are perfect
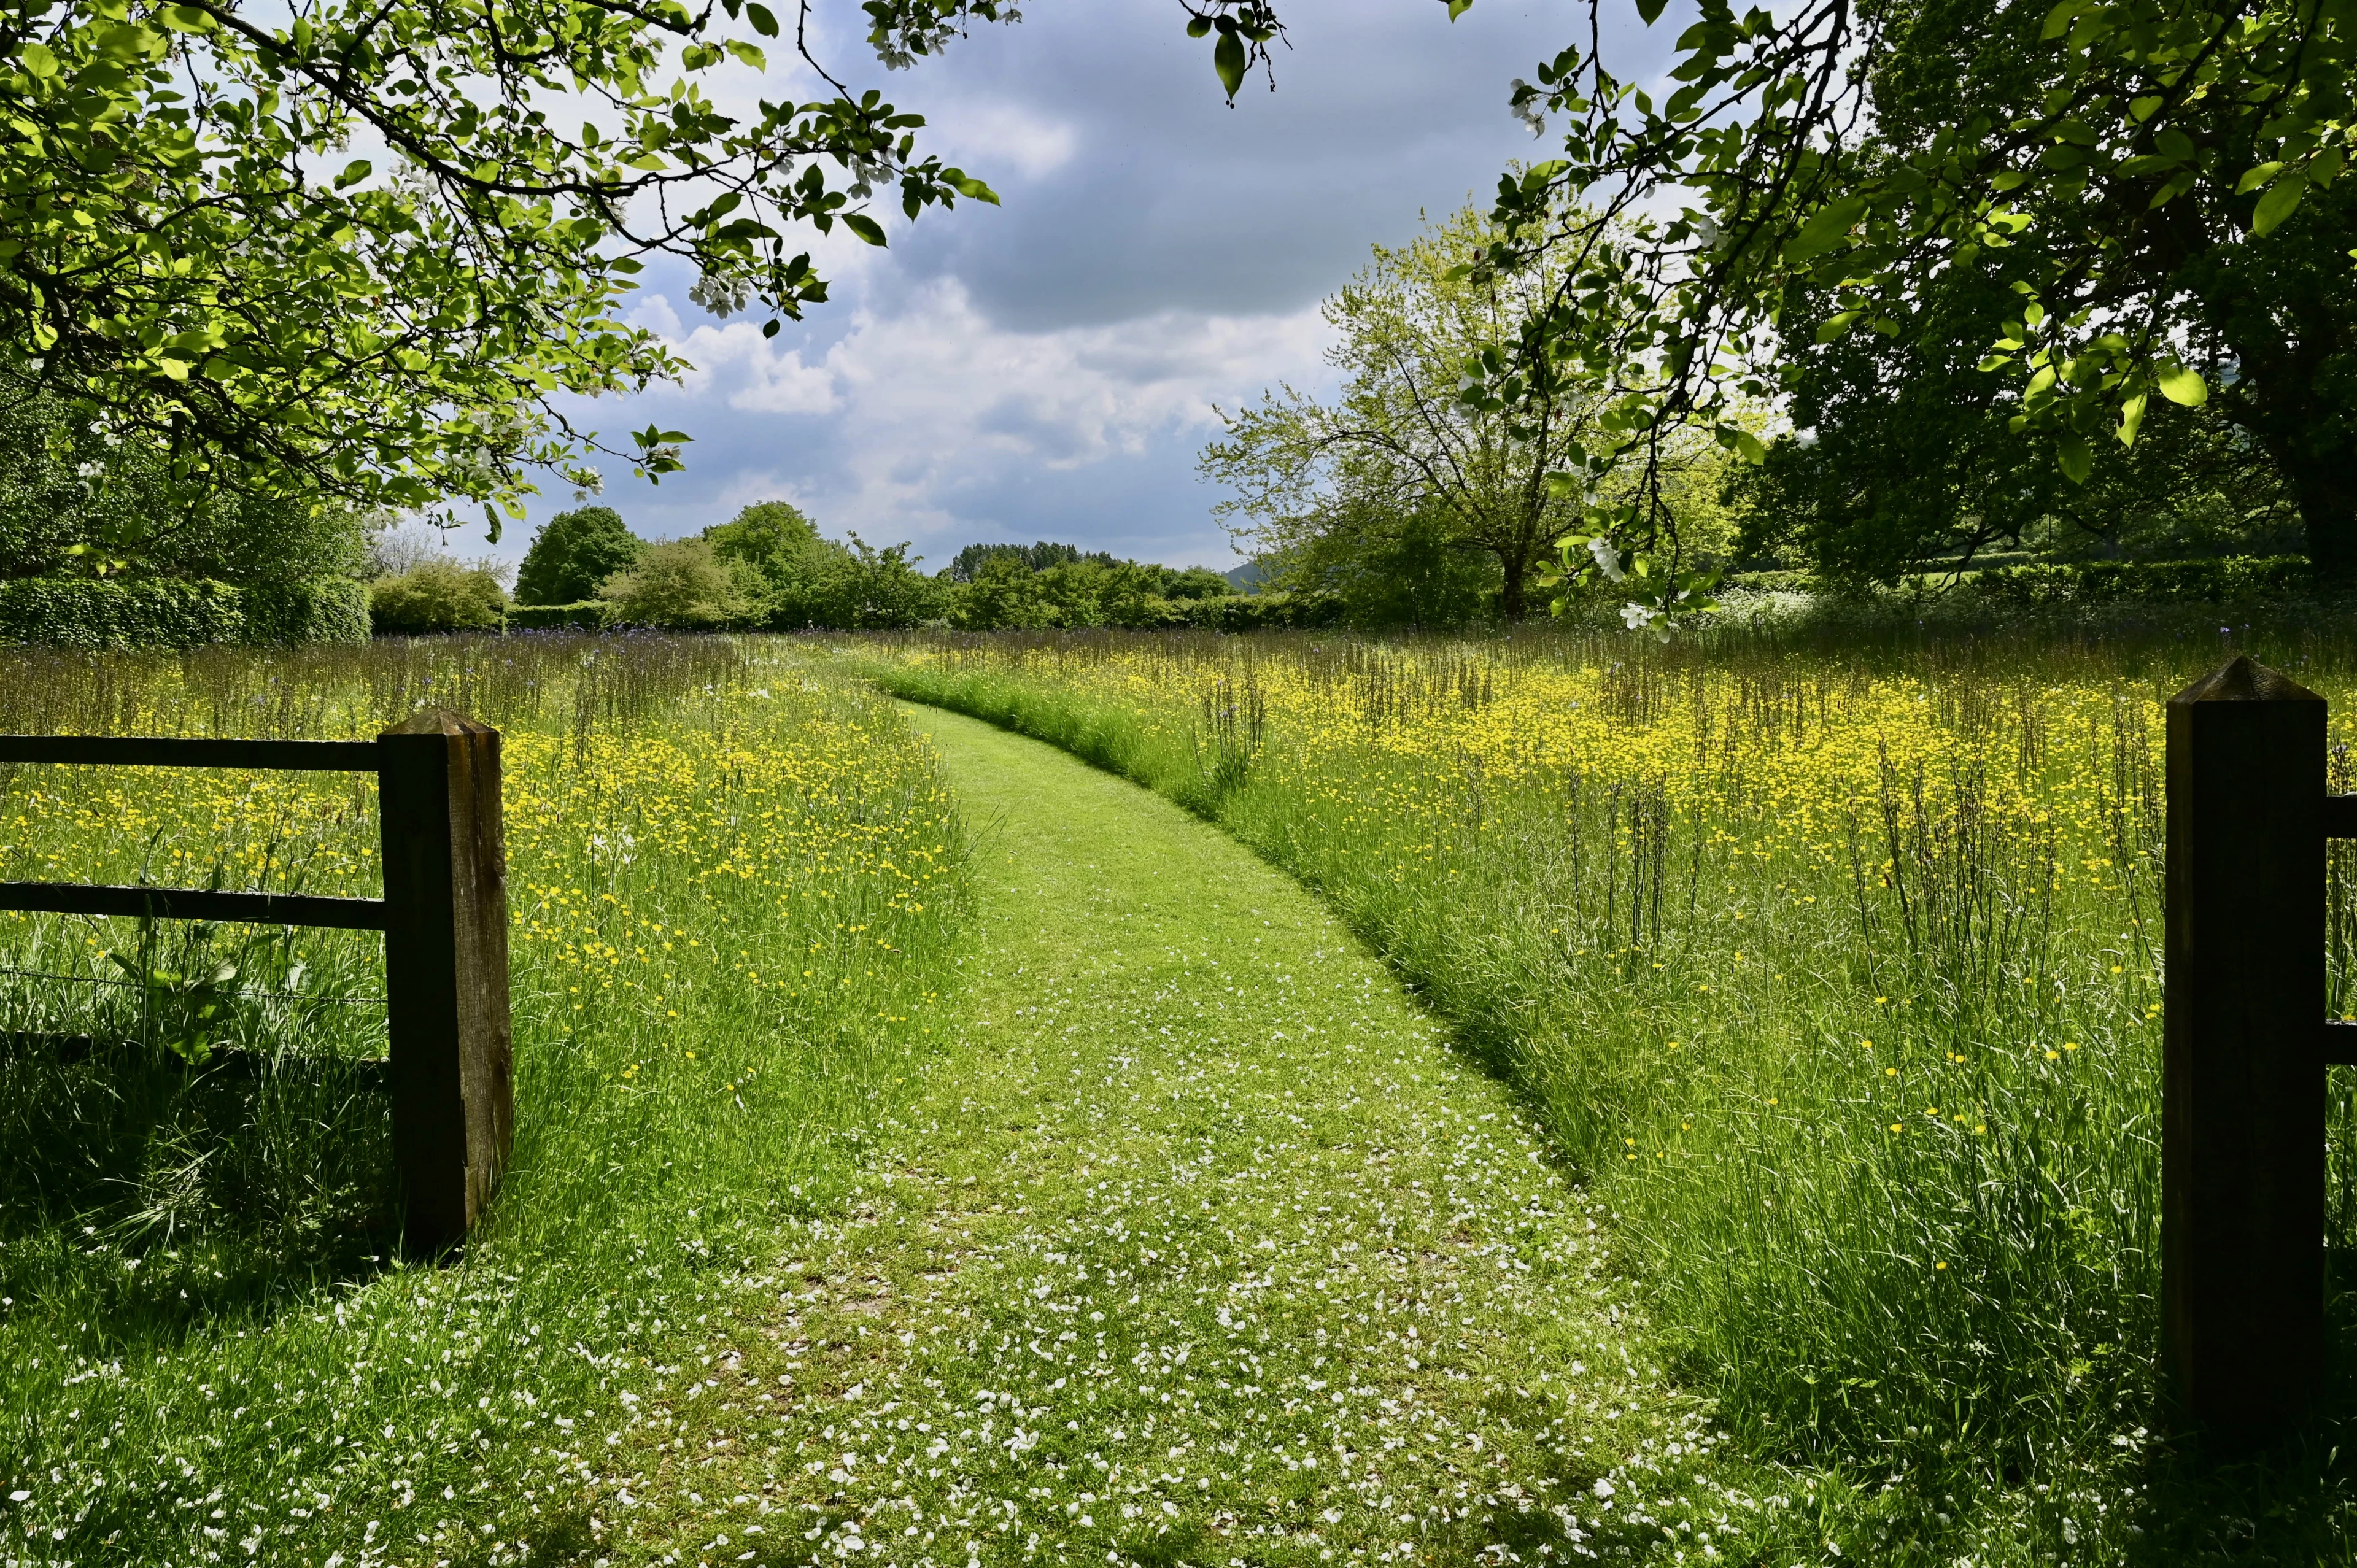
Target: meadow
[[1820, 974], [1831, 969], [732, 888]]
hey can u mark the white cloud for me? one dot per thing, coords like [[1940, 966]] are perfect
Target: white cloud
[[760, 378], [930, 400], [989, 136]]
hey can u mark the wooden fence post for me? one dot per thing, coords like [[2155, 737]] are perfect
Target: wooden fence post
[[2243, 1060], [446, 963]]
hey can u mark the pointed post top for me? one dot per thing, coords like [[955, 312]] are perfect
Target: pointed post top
[[2243, 679]]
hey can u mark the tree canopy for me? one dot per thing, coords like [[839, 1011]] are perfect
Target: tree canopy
[[145, 522], [188, 249], [1397, 462], [573, 555]]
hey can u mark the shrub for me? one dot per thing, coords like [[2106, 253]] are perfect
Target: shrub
[[1261, 612], [145, 523], [439, 596], [100, 612], [573, 555], [683, 586], [2216, 580]]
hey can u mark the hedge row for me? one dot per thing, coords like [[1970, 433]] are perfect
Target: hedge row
[[2216, 580], [1256, 612], [167, 612], [1240, 612], [588, 615]]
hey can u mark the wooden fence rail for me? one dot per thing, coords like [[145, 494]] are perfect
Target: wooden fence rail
[[444, 916]]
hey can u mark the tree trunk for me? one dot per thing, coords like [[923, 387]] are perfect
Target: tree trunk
[[2326, 487], [1516, 605]]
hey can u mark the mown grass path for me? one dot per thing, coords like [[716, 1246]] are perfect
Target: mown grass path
[[1193, 1243]]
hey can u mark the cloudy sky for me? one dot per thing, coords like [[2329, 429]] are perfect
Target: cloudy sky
[[1048, 368]]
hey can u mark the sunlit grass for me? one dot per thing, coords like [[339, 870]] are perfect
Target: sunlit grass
[[1835, 972], [731, 890]]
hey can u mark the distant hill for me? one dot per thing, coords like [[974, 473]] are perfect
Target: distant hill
[[1246, 578]]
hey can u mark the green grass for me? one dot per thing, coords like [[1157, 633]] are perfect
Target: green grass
[[734, 888], [1950, 1331], [1196, 1242]]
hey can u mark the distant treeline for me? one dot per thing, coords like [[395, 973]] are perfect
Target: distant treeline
[[770, 569]]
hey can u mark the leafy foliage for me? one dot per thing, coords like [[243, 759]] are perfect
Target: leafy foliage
[[190, 248], [573, 554], [81, 497], [1905, 457], [439, 596], [2163, 170], [682, 586]]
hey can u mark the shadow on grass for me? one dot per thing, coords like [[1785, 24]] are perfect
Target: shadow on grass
[[2294, 1503], [141, 1195]]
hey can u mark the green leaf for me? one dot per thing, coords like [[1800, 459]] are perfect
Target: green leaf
[[1826, 228], [2256, 176], [1834, 327], [2058, 20], [867, 227], [2181, 386], [354, 172], [764, 23], [38, 60], [2131, 419], [1228, 59], [2278, 202], [1199, 27], [1458, 7], [2078, 462], [1651, 10], [1748, 447]]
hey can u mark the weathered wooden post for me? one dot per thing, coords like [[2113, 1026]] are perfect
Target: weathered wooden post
[[445, 965], [2242, 1094]]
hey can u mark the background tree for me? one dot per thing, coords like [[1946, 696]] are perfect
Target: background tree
[[797, 576], [2173, 162], [680, 584], [879, 590], [1399, 443], [1388, 568], [967, 564], [573, 555], [437, 596], [59, 515]]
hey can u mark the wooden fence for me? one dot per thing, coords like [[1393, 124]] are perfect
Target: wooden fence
[[444, 916], [2245, 1047]]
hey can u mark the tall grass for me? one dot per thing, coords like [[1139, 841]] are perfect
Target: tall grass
[[731, 886], [1834, 967]]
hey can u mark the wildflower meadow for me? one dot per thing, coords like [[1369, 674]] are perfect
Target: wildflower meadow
[[1833, 971], [1546, 1097], [730, 887]]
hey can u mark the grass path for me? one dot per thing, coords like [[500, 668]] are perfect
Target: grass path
[[1193, 1243]]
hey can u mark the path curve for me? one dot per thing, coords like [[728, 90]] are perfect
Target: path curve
[[1196, 1244]]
